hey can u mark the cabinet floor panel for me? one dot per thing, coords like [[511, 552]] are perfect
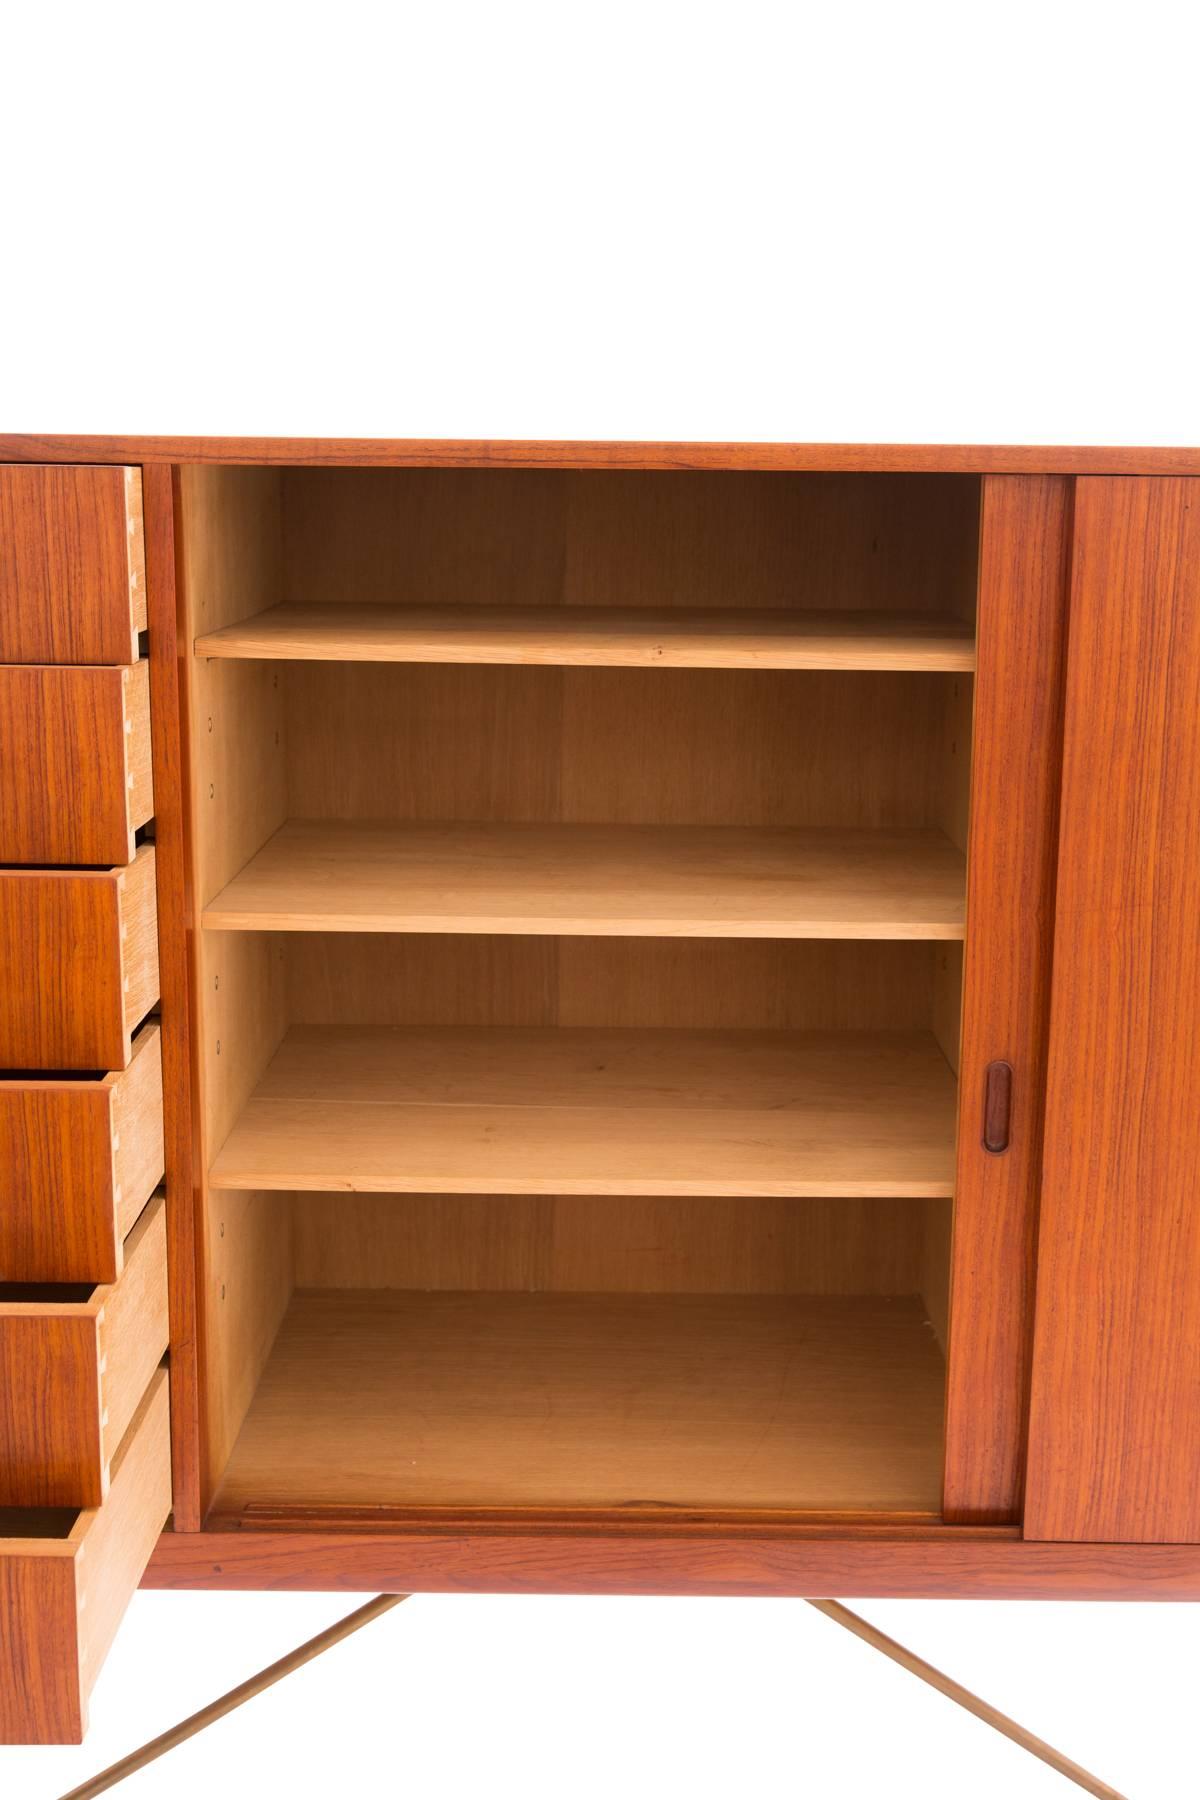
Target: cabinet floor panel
[[592, 1111], [599, 636], [594, 1401], [606, 880]]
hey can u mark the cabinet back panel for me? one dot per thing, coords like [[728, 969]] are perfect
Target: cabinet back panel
[[616, 1244], [622, 746], [766, 984], [542, 538]]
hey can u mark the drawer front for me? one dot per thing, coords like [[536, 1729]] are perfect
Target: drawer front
[[72, 564], [79, 1159], [80, 955], [73, 1367], [65, 1585], [75, 777]]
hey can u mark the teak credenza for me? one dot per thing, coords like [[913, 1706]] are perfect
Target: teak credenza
[[593, 1018]]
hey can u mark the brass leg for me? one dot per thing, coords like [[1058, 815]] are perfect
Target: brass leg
[[217, 1709], [1036, 1746], [832, 1609]]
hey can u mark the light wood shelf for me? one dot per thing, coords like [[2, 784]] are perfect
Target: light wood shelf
[[417, 1400], [591, 1111], [599, 880], [599, 636]]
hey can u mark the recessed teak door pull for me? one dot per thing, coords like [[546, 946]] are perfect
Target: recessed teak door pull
[[997, 1106]]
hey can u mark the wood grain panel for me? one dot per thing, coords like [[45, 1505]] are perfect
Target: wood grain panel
[[139, 763], [999, 459], [74, 778], [933, 1279], [1024, 562], [236, 1269], [1115, 1420], [925, 1562], [230, 546], [732, 747], [132, 1327], [611, 1244], [79, 1159], [80, 954], [138, 1130], [71, 586], [171, 742], [246, 1258], [409, 742], [840, 1246], [738, 747], [618, 1401], [41, 1695], [74, 1364], [247, 1285], [114, 1544], [522, 538], [598, 880], [598, 636], [894, 543], [715, 983], [65, 1587], [597, 1112], [62, 1003], [137, 893], [424, 537], [50, 1435]]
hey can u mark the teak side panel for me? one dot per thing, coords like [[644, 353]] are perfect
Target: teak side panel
[[71, 583], [1114, 1443], [171, 741], [74, 774], [1024, 564]]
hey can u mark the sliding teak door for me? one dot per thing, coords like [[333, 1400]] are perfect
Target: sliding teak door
[[1114, 1442], [1023, 567]]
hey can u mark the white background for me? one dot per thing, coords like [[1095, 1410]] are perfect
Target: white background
[[897, 222]]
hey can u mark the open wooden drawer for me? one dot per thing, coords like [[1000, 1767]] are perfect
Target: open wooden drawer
[[80, 954], [79, 1157], [75, 779], [66, 1580], [74, 1364]]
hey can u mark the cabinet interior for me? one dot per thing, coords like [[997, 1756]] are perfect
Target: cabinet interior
[[580, 872]]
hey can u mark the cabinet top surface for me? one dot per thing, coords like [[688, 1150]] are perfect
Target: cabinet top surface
[[969, 459]]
